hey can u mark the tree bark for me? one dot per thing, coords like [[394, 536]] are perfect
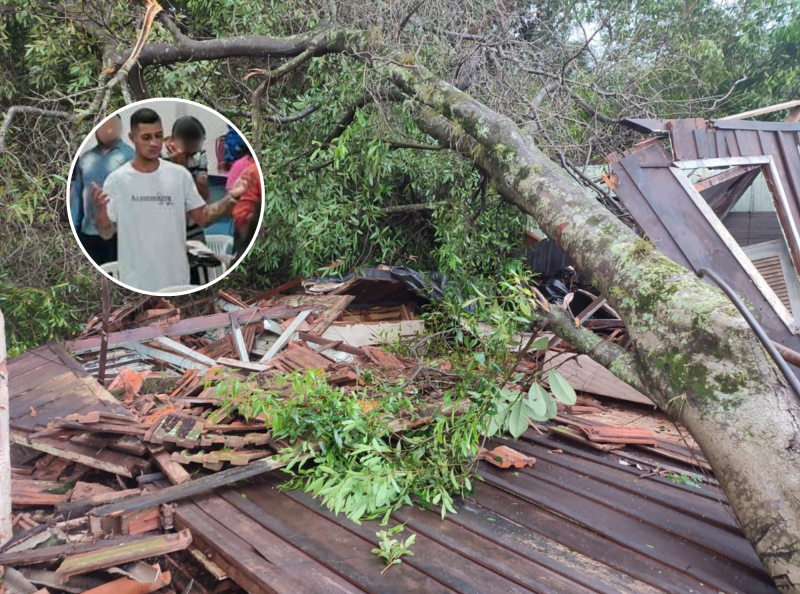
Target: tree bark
[[694, 355]]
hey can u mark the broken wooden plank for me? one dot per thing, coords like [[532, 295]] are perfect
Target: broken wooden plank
[[285, 337], [108, 461], [575, 434], [127, 444], [126, 585], [338, 345], [111, 556], [41, 493], [242, 365], [212, 568], [194, 487], [623, 435], [79, 507], [276, 291], [238, 339], [54, 553], [184, 350], [176, 473], [188, 326], [181, 361]]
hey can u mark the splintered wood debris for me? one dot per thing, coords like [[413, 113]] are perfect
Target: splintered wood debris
[[99, 468]]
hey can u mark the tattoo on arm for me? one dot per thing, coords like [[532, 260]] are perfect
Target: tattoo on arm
[[210, 213]]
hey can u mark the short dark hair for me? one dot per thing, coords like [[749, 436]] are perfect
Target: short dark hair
[[188, 128], [144, 116]]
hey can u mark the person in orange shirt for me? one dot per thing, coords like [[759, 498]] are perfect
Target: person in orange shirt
[[247, 211]]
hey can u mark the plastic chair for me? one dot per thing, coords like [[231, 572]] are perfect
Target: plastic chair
[[178, 289], [111, 269], [220, 244]]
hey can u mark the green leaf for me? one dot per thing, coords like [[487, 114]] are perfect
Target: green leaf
[[537, 400], [518, 419], [561, 388], [480, 358], [552, 409], [540, 344]]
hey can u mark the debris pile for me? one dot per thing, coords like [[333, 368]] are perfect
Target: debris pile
[[97, 468]]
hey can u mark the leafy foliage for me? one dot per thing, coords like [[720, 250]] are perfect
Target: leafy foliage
[[350, 448], [390, 549], [327, 197]]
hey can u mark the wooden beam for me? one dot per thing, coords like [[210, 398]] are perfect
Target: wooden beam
[[56, 552], [332, 344], [184, 350], [108, 461], [171, 358], [285, 337], [238, 339], [763, 110], [116, 555], [189, 326], [176, 473], [6, 531], [39, 493], [242, 365], [192, 488]]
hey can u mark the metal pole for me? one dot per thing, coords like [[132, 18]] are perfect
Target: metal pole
[[101, 369], [756, 327]]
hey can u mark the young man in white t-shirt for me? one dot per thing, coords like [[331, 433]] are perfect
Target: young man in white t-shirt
[[145, 201]]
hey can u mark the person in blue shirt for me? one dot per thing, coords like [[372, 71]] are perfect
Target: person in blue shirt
[[93, 167]]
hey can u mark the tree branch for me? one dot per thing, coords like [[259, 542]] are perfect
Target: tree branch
[[16, 110], [410, 14], [261, 90], [413, 145], [403, 208], [611, 356]]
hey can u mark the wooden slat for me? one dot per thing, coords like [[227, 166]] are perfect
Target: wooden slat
[[329, 544], [108, 461], [189, 326], [430, 557], [620, 528], [115, 555]]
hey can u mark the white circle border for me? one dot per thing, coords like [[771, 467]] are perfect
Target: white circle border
[[69, 196]]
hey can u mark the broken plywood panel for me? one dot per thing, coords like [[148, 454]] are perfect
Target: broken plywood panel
[[584, 375], [357, 335]]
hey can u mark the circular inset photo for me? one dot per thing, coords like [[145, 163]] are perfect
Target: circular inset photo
[[165, 196]]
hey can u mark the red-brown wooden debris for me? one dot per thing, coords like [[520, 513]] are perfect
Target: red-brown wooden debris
[[115, 555], [506, 457]]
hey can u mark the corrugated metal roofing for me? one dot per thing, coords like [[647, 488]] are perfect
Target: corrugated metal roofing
[[578, 522]]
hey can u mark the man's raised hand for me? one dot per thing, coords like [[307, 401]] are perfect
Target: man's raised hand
[[100, 199]]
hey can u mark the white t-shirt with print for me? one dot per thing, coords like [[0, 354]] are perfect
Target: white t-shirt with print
[[150, 212]]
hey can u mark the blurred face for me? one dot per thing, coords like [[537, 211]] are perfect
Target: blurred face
[[109, 132], [193, 146], [147, 140]]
